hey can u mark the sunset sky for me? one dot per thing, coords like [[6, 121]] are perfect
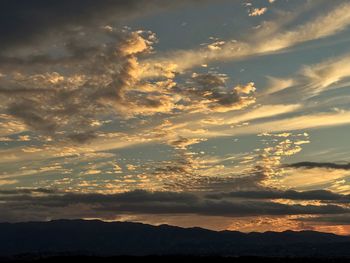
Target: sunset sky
[[225, 114]]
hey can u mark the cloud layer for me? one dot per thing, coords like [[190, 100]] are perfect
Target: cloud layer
[[99, 120], [142, 202]]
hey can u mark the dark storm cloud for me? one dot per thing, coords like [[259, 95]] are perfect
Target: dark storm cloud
[[24, 22], [22, 206], [310, 165], [322, 195]]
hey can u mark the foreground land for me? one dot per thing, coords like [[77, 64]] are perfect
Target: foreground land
[[87, 259], [96, 238]]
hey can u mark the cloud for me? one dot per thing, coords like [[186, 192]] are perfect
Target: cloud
[[118, 89], [27, 23], [342, 219], [257, 11], [266, 164], [142, 202], [10, 126], [264, 40], [270, 223], [209, 92], [315, 178], [303, 122], [322, 195], [311, 165], [250, 115], [94, 78], [312, 80], [324, 25], [59, 75], [97, 78], [311, 175], [98, 72], [335, 224], [7, 182], [28, 191], [183, 143]]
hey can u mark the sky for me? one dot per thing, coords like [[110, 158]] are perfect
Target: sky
[[226, 114]]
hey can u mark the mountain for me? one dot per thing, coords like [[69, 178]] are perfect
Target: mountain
[[79, 237]]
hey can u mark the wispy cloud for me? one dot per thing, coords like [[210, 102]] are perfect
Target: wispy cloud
[[314, 79], [264, 42]]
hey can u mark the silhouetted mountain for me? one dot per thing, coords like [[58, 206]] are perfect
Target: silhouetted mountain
[[79, 237]]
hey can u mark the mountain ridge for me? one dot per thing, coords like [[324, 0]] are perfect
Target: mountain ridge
[[172, 226], [95, 237]]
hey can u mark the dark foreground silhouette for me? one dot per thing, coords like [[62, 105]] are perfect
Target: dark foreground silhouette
[[44, 241], [93, 259], [87, 259]]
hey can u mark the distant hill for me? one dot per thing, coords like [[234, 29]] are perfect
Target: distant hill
[[79, 237]]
